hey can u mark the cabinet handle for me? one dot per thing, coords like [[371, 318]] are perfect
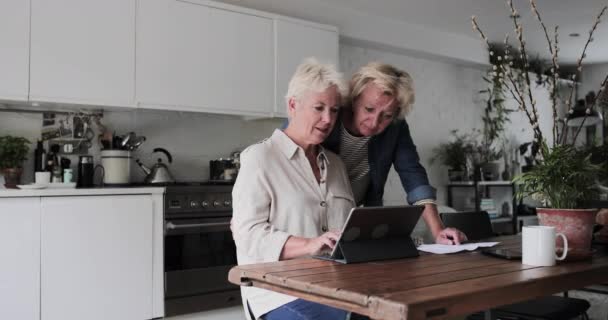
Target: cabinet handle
[[173, 226]]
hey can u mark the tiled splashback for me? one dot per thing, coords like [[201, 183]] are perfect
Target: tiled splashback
[[192, 138]]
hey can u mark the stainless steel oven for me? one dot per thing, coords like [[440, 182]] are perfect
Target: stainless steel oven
[[199, 249]]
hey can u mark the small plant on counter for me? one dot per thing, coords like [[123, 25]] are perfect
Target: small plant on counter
[[13, 151]]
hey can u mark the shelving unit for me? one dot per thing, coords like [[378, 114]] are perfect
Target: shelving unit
[[487, 185]]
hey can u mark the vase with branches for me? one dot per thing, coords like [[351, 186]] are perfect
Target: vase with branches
[[562, 175]]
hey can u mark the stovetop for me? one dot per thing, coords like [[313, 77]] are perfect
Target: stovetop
[[182, 184], [198, 199]]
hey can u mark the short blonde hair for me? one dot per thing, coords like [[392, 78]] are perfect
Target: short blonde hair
[[311, 75], [391, 80]]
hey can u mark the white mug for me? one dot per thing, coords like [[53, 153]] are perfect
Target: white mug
[[42, 177], [538, 246]]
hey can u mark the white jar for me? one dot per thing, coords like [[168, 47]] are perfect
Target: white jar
[[116, 166]]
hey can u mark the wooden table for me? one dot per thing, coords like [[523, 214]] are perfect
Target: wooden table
[[426, 287]]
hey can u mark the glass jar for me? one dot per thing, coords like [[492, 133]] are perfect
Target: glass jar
[[57, 177], [67, 175]]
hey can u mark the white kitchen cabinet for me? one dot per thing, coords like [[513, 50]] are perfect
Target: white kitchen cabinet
[[194, 57], [14, 49], [295, 41], [20, 252], [97, 257], [83, 52]]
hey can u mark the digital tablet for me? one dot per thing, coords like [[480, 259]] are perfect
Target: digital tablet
[[509, 254]]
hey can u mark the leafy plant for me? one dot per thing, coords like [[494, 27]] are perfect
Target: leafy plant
[[562, 175], [13, 151], [454, 154], [529, 151], [599, 154], [496, 114]]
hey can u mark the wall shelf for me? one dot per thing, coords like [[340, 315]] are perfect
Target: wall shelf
[[486, 186]]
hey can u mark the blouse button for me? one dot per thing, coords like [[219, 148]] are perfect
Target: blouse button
[[324, 229], [323, 204]]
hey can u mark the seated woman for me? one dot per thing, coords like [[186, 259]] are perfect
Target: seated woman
[[291, 195]]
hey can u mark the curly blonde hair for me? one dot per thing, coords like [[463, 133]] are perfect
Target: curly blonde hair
[[391, 80]]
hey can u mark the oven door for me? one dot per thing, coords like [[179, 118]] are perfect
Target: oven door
[[198, 255]]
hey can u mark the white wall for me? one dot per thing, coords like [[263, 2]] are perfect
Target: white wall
[[592, 77]]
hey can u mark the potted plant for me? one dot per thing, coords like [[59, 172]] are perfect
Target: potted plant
[[495, 117], [562, 175], [454, 155], [13, 151]]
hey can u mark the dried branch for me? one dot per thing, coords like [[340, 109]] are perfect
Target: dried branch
[[579, 68], [524, 57], [554, 94], [553, 49]]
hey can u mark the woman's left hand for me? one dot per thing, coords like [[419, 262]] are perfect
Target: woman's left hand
[[322, 243], [450, 236]]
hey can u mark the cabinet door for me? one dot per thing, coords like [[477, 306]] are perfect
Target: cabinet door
[[83, 51], [97, 257], [20, 252], [14, 49], [197, 58], [296, 41]]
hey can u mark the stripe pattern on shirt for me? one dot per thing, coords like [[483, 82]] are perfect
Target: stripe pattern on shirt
[[354, 154]]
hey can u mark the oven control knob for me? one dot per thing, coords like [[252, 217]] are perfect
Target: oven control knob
[[193, 204], [216, 203], [204, 204], [227, 203]]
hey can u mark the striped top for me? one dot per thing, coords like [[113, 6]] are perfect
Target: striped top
[[354, 154]]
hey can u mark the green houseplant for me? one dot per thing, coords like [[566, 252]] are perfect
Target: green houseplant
[[495, 118], [13, 151], [454, 154], [562, 175]]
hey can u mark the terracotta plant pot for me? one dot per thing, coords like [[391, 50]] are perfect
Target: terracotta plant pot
[[602, 219], [576, 225], [12, 177]]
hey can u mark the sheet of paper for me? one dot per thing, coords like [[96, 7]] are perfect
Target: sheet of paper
[[445, 248]]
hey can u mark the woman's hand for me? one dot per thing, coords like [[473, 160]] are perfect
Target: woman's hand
[[326, 241], [450, 236]]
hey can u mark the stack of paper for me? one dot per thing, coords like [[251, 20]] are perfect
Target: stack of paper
[[446, 248]]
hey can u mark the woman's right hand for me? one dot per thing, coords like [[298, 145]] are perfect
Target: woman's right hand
[[326, 241]]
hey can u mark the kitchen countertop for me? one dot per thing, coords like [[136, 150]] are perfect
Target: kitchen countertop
[[14, 193]]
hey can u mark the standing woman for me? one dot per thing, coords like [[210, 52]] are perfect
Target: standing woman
[[291, 193], [372, 135]]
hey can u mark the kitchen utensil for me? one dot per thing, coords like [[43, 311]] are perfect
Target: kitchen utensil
[[116, 166], [159, 173], [116, 142], [124, 144], [217, 169], [86, 171], [135, 143]]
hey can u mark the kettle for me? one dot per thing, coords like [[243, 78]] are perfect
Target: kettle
[[160, 172]]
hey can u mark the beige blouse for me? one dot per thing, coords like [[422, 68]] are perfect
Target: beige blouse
[[277, 195]]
